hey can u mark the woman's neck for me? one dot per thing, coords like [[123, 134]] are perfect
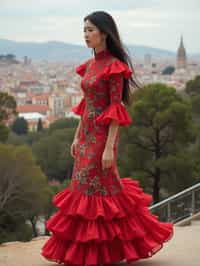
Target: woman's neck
[[99, 49]]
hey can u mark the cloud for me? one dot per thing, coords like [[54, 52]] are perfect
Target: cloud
[[149, 22], [89, 4]]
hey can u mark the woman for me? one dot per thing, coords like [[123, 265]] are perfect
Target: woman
[[102, 218]]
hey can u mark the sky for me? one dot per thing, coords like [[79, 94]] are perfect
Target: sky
[[154, 23]]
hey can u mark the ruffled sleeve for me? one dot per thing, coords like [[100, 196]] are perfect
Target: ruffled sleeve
[[81, 69], [115, 74], [79, 108], [116, 67]]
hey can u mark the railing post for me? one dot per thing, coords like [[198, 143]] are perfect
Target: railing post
[[193, 201], [169, 211]]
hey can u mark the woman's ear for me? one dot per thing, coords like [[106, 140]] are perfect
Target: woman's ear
[[104, 36]]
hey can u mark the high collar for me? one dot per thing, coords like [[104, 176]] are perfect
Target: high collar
[[102, 54]]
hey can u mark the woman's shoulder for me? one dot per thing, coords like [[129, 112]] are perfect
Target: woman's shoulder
[[115, 66], [114, 62]]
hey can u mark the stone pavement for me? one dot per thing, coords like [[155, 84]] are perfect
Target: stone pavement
[[182, 250]]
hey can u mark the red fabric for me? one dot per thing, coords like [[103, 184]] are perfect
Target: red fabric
[[113, 71], [117, 112], [82, 68], [79, 108], [102, 218], [117, 67]]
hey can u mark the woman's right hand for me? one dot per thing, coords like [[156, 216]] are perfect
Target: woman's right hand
[[74, 147]]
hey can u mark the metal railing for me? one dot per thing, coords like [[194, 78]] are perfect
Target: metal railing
[[178, 206]]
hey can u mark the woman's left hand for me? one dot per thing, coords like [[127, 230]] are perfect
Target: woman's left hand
[[107, 158]]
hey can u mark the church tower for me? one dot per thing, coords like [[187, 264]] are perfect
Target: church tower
[[181, 61]]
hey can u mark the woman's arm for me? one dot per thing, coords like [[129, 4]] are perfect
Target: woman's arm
[[108, 154], [77, 132], [112, 133], [116, 87], [115, 114], [75, 141]]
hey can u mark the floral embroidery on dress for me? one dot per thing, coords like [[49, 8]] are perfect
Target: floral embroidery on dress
[[93, 227], [82, 149], [115, 93], [100, 92]]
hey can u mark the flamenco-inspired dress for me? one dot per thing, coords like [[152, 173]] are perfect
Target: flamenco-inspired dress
[[102, 218]]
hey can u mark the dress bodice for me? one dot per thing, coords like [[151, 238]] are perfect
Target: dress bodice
[[102, 85]]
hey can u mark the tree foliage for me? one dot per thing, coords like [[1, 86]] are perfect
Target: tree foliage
[[23, 191], [157, 139], [168, 70], [53, 154], [7, 106], [20, 126]]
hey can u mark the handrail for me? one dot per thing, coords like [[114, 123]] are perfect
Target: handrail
[[176, 195], [182, 206]]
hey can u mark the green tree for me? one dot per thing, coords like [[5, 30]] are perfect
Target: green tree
[[7, 107], [53, 154], [158, 138], [192, 89], [193, 86], [20, 126], [23, 192], [4, 132], [63, 123], [168, 70], [39, 125], [7, 111]]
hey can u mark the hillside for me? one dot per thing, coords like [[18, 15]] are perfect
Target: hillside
[[54, 50]]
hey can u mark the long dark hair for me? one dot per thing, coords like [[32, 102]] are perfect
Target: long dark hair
[[106, 24]]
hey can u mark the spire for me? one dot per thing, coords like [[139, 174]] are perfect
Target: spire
[[181, 55], [181, 43]]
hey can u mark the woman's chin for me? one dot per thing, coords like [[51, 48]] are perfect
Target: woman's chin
[[89, 45]]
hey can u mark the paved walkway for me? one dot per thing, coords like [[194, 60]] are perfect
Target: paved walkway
[[182, 250]]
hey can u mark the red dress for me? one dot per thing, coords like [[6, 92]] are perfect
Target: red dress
[[102, 218]]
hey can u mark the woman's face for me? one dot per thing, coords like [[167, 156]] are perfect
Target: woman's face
[[93, 36]]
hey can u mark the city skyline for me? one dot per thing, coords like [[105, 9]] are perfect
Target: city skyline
[[148, 23]]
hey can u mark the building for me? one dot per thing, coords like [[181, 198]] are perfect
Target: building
[[147, 60], [57, 105], [31, 108], [40, 99], [181, 60]]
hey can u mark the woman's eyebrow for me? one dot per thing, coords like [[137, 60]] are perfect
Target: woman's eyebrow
[[88, 27]]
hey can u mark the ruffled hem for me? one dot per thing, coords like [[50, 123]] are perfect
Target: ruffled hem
[[82, 230], [115, 111], [93, 254], [116, 67], [108, 207], [89, 230], [79, 108]]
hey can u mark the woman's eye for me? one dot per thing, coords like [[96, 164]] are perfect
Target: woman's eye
[[89, 29]]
